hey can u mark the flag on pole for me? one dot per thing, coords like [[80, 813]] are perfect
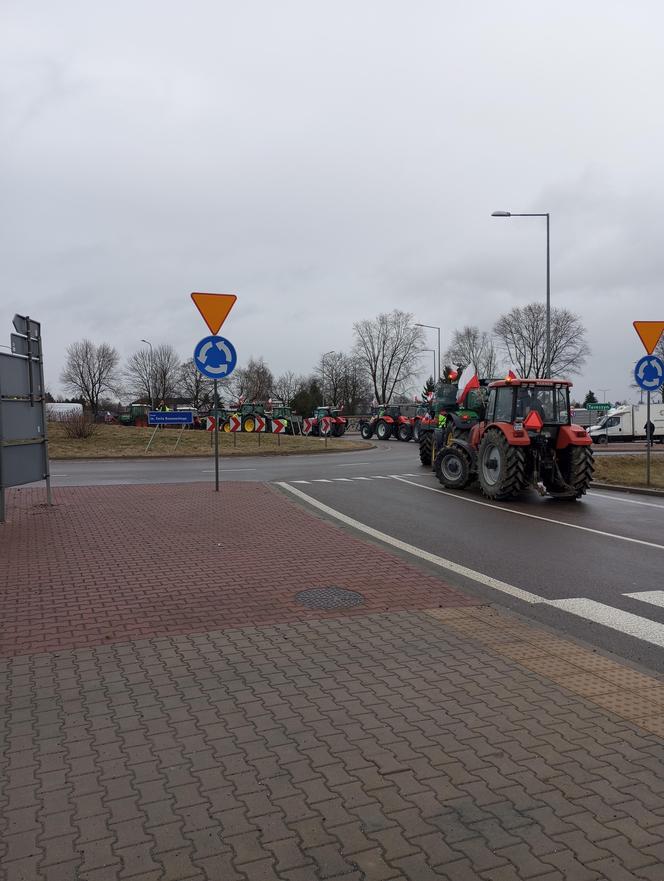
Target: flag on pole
[[510, 376], [467, 381]]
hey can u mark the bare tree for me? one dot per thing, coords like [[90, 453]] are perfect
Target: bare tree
[[355, 386], [154, 374], [388, 348], [330, 371], [253, 382], [194, 386], [470, 345], [522, 336], [90, 370], [286, 387]]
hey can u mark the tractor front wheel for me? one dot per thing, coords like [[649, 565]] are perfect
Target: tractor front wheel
[[501, 468], [404, 432], [249, 424], [452, 467], [383, 430], [366, 431], [576, 466], [426, 447], [227, 427]]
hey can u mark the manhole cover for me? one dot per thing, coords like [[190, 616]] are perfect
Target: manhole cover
[[329, 598]]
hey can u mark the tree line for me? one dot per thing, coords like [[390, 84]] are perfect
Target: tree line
[[386, 357]]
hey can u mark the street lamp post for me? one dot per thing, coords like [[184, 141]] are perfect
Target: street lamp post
[[603, 391], [150, 375], [433, 351], [436, 374], [547, 367]]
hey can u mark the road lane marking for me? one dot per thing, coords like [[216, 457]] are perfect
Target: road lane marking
[[341, 479], [495, 507], [301, 481], [380, 477], [654, 597], [486, 580], [321, 480], [211, 470], [606, 497], [616, 619], [361, 478]]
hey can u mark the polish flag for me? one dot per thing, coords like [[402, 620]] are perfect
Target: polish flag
[[467, 381], [510, 375]]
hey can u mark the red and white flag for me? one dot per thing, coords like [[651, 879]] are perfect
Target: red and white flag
[[510, 376], [467, 381]]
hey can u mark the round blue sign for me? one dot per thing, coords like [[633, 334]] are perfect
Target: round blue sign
[[649, 373], [215, 357]]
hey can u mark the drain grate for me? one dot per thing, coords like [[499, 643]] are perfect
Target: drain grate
[[329, 598]]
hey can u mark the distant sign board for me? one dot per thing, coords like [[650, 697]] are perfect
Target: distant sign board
[[170, 417], [598, 406]]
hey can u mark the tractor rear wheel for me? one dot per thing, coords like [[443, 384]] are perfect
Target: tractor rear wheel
[[383, 430], [366, 431], [576, 466], [426, 447], [337, 430], [404, 432], [501, 468], [452, 467], [249, 424]]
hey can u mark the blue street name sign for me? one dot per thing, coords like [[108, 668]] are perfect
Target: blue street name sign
[[170, 417], [215, 357], [649, 373]]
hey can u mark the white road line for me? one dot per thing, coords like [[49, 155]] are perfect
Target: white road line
[[341, 479], [59, 475], [321, 480], [616, 619], [380, 477], [361, 478], [608, 616], [495, 507], [606, 497], [654, 597], [486, 580], [301, 481], [211, 470]]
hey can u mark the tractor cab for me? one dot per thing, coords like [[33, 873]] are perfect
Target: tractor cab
[[530, 405]]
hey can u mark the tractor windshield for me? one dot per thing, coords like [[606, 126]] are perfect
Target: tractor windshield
[[550, 402]]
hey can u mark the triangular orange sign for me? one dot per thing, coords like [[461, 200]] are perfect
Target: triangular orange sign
[[214, 308], [650, 332]]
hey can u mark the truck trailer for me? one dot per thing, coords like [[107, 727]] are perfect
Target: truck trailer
[[628, 423]]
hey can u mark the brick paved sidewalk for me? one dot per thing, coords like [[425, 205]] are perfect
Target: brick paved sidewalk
[[372, 744]]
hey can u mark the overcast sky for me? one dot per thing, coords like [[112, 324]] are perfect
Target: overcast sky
[[327, 161]]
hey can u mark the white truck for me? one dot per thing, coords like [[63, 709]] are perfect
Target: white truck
[[628, 423]]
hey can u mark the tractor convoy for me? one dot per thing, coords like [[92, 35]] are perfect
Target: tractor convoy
[[508, 436], [388, 421]]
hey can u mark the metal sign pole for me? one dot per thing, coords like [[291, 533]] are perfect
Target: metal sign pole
[[648, 441], [216, 437], [47, 467]]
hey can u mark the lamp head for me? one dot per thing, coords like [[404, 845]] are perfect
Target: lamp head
[[501, 214]]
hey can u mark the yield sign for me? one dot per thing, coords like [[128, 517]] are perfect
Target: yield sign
[[214, 308], [650, 333]]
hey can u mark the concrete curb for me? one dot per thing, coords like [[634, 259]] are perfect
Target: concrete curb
[[636, 490]]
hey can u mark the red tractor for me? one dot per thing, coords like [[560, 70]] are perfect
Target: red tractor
[[524, 439], [325, 422], [387, 421]]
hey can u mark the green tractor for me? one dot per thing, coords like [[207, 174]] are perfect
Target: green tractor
[[247, 414], [447, 420], [281, 411]]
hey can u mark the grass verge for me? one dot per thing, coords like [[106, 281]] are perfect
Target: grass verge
[[629, 470], [119, 441]]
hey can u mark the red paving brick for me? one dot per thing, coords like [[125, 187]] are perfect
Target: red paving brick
[[127, 562]]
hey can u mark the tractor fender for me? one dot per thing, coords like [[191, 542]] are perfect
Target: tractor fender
[[572, 436], [514, 438]]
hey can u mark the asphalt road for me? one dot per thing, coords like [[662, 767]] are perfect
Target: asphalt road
[[569, 565]]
